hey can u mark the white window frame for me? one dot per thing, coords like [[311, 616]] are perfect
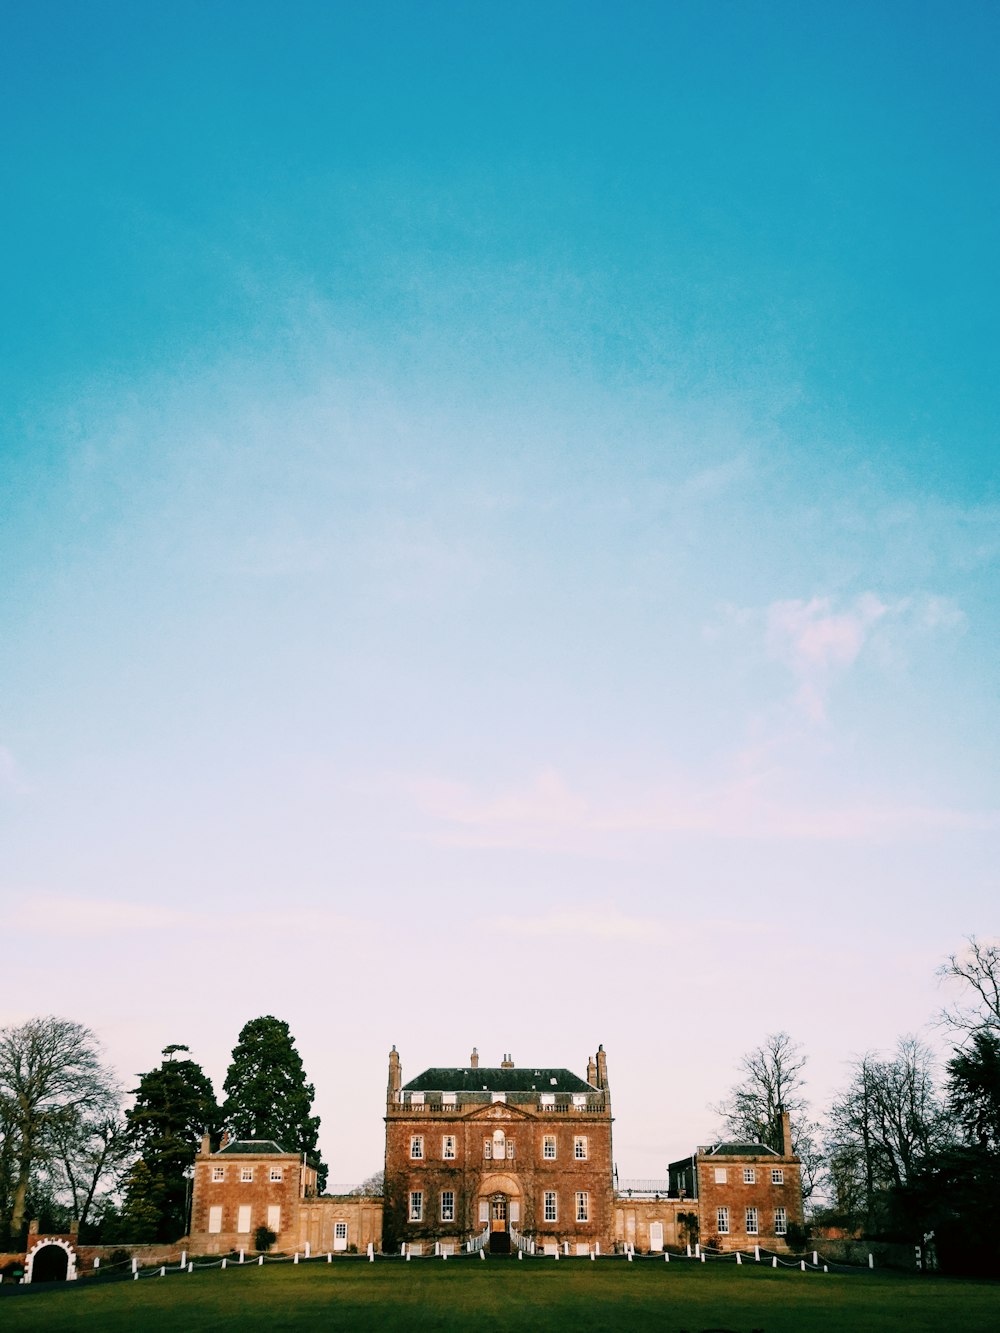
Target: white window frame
[[215, 1219], [487, 1150], [218, 1173], [580, 1147], [274, 1217], [246, 1175], [550, 1206], [777, 1175], [416, 1209], [781, 1222], [448, 1148], [416, 1147], [510, 1150], [749, 1176], [547, 1099], [721, 1176], [244, 1219], [582, 1206], [722, 1220], [447, 1205], [277, 1173], [549, 1141], [753, 1227]]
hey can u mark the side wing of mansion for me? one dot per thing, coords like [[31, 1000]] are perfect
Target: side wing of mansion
[[498, 1157]]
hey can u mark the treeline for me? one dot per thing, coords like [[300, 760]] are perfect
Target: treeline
[[909, 1150], [69, 1153]]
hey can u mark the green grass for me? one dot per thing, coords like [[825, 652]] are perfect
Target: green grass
[[500, 1294]]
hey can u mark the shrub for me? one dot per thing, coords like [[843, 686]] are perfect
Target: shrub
[[263, 1239]]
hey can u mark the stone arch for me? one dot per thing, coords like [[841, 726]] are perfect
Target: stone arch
[[56, 1261]]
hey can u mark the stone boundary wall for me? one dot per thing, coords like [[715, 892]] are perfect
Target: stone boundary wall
[[887, 1254]]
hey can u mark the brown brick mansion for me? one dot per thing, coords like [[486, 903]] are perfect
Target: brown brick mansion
[[498, 1157]]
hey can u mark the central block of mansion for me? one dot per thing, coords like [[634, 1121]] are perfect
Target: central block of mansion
[[498, 1156]]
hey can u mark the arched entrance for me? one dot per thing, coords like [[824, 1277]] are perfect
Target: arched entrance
[[50, 1261], [500, 1199]]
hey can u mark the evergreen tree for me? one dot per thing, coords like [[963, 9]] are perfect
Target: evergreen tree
[[267, 1096], [174, 1105]]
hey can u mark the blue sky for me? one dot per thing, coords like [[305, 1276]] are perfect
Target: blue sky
[[498, 501]]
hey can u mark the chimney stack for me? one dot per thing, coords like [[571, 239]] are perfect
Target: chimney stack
[[591, 1071], [474, 1059], [786, 1135], [602, 1068], [507, 1062], [395, 1078]]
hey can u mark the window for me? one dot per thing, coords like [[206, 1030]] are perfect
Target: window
[[579, 1100], [549, 1147], [277, 1172], [720, 1175], [751, 1221], [484, 1210], [749, 1176], [548, 1099], [780, 1222], [215, 1219], [580, 1147], [551, 1212], [218, 1173], [487, 1148], [448, 1147], [416, 1146], [499, 1145], [448, 1099], [246, 1173], [510, 1150], [582, 1206], [416, 1205], [340, 1232], [722, 1221], [416, 1099], [243, 1218], [447, 1205], [274, 1218], [777, 1176]]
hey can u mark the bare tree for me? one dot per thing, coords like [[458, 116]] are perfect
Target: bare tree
[[50, 1068], [772, 1083], [86, 1152], [884, 1127], [978, 968]]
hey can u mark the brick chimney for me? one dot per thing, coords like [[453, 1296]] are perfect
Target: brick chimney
[[395, 1078], [602, 1068], [507, 1062], [206, 1145], [591, 1071], [474, 1059], [786, 1135]]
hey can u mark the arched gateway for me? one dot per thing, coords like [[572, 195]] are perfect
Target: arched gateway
[[50, 1259]]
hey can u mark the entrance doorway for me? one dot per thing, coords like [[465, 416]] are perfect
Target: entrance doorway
[[51, 1264], [499, 1232]]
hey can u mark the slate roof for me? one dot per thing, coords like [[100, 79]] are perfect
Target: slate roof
[[497, 1080], [263, 1147]]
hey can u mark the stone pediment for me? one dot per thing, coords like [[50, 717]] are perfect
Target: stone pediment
[[499, 1111]]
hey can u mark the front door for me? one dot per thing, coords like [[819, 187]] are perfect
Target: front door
[[498, 1215]]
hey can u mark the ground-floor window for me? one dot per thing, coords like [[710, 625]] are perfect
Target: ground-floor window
[[751, 1221], [447, 1205], [243, 1218], [780, 1222], [582, 1206], [215, 1219], [416, 1205], [551, 1212], [722, 1221]]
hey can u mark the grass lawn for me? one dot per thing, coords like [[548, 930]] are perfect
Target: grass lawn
[[536, 1296]]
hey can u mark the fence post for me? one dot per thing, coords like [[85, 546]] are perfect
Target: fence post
[[815, 1259], [329, 1257], [739, 1259], [163, 1271], [666, 1256], [825, 1269], [689, 1249], [184, 1257], [593, 1256], [702, 1258], [97, 1261], [697, 1249], [756, 1254], [871, 1260], [482, 1255], [260, 1262], [135, 1265], [190, 1266], [224, 1261], [371, 1251], [597, 1246], [296, 1259], [802, 1265], [243, 1255], [308, 1249], [774, 1261]]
